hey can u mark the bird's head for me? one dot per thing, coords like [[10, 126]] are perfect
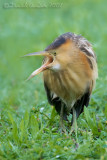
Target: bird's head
[[58, 54]]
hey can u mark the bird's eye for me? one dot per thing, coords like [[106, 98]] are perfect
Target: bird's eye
[[54, 53]]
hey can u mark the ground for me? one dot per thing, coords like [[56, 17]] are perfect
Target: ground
[[29, 126]]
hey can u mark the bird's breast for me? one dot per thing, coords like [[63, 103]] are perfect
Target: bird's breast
[[66, 84]]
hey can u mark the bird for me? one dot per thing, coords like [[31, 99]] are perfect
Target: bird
[[69, 74]]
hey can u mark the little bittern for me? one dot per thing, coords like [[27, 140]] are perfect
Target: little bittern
[[69, 73]]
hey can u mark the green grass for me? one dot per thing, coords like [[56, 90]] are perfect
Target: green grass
[[29, 126]]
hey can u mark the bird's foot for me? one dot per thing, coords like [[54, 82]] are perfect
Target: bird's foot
[[72, 130], [63, 129]]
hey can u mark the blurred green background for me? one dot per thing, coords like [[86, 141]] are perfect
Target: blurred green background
[[29, 29], [29, 26]]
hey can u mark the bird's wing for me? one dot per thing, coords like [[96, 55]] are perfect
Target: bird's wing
[[54, 100]]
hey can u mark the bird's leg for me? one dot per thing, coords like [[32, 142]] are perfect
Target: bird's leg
[[74, 124], [61, 119]]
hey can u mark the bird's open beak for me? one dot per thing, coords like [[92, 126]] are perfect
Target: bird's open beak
[[49, 59]]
